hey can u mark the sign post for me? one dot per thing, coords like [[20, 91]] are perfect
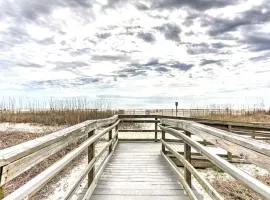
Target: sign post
[[176, 105]]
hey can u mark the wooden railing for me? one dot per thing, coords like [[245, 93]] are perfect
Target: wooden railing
[[249, 149], [17, 159], [258, 131]]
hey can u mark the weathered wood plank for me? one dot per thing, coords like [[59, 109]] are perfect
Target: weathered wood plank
[[137, 169], [208, 188], [139, 121], [248, 180], [138, 130], [125, 197], [251, 150], [16, 152], [180, 177], [35, 184]]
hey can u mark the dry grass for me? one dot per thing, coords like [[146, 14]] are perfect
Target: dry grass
[[49, 117], [9, 139], [259, 116], [54, 117], [29, 174], [236, 190]]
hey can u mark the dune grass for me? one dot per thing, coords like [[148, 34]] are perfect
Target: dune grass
[[54, 117], [256, 116]]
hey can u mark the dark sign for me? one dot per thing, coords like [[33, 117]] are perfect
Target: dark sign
[[176, 103]]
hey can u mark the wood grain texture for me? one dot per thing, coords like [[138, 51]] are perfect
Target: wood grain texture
[[137, 171], [235, 172], [251, 150], [16, 152]]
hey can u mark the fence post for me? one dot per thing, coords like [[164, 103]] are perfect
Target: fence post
[[156, 125], [110, 138], [91, 155], [187, 154], [163, 138], [229, 154]]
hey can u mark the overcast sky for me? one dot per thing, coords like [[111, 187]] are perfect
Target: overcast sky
[[207, 51]]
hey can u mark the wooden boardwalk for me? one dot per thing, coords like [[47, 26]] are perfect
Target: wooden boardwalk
[[137, 171]]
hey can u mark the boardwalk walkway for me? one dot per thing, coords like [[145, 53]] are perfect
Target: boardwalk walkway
[[137, 171]]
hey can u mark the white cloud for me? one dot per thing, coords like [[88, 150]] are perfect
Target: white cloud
[[57, 49]]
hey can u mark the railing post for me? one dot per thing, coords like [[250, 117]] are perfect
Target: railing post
[[163, 138], [110, 138], [187, 154], [91, 155], [1, 187], [116, 132], [156, 126], [253, 134], [229, 154]]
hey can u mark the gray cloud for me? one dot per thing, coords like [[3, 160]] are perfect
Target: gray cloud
[[207, 62], [180, 66], [257, 41], [82, 51], [137, 69], [195, 4], [141, 6], [171, 31], [110, 57], [154, 64], [201, 48], [67, 65], [31, 10], [131, 71], [265, 56], [222, 25], [29, 64], [72, 66], [16, 35], [47, 41], [147, 37], [62, 83], [103, 35], [256, 15]]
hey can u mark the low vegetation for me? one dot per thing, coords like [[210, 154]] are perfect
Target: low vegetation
[[62, 116], [54, 117], [233, 189], [254, 116]]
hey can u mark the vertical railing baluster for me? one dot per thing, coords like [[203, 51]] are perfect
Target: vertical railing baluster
[[156, 126], [163, 138], [1, 187], [91, 155], [116, 132], [253, 136], [187, 154], [110, 140], [229, 154]]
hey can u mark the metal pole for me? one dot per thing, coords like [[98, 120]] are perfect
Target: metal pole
[[176, 104]]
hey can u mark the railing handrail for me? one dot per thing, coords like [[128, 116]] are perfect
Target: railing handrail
[[251, 125], [195, 128], [19, 158], [249, 149], [12, 153], [11, 161]]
